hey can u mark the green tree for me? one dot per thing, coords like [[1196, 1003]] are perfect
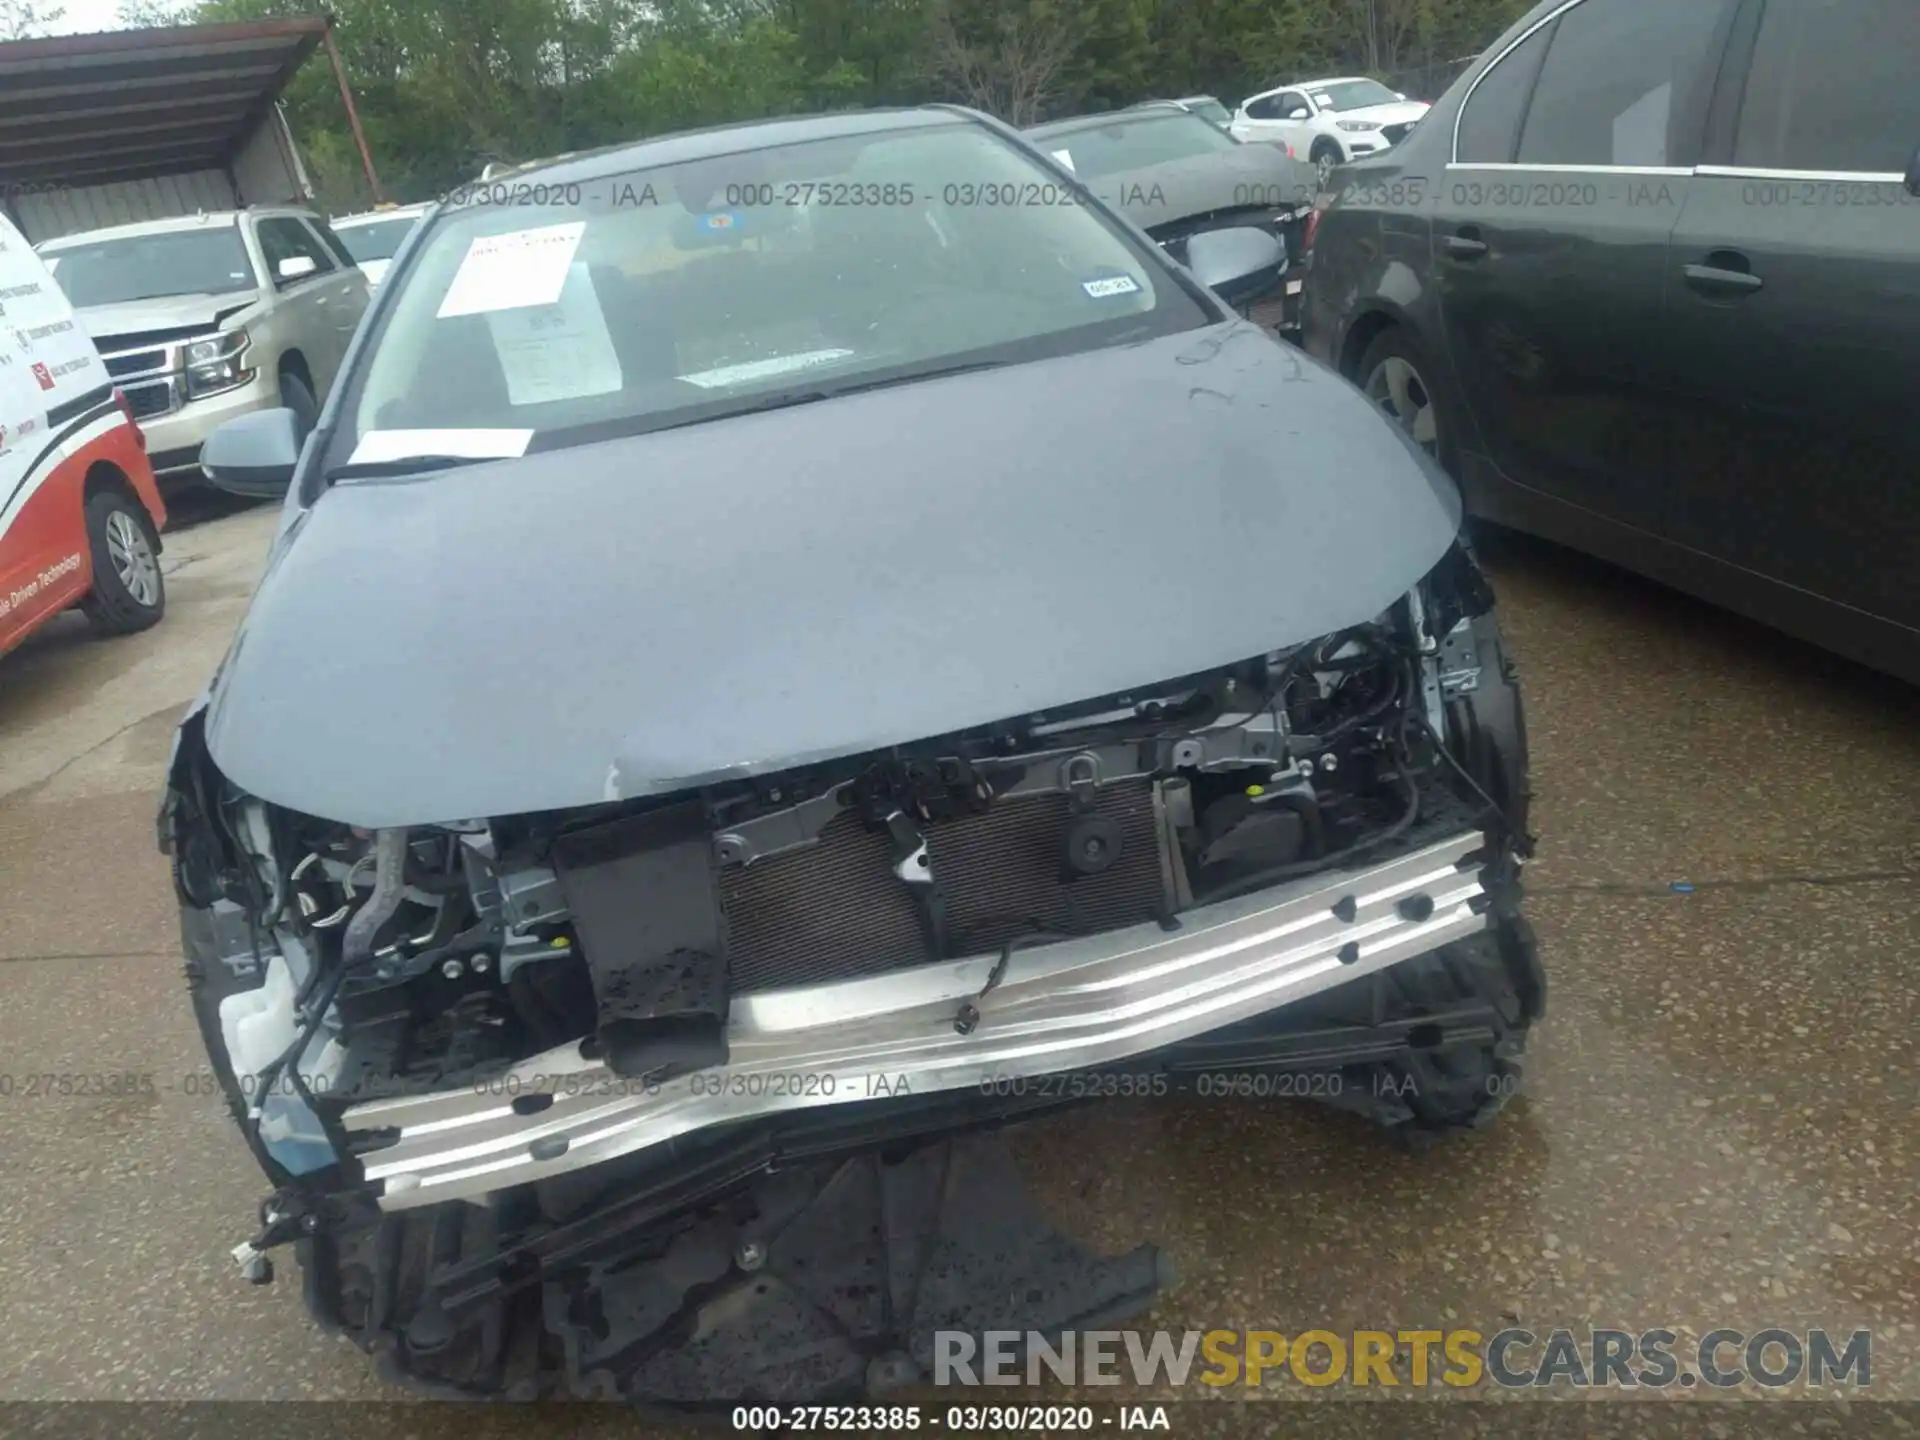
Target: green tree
[[24, 19], [445, 86]]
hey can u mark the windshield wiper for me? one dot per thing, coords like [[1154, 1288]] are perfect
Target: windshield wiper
[[405, 465], [786, 398]]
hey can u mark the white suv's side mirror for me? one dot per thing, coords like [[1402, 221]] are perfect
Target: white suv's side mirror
[[294, 267], [1298, 115]]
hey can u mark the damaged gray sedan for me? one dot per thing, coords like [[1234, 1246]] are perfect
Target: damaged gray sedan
[[789, 647]]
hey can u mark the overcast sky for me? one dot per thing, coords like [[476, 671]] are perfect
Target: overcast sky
[[85, 15]]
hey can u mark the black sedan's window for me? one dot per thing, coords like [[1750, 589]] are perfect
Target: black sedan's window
[[1618, 76], [1490, 123], [1835, 86]]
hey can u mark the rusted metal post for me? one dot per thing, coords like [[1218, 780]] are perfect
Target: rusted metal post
[[353, 117]]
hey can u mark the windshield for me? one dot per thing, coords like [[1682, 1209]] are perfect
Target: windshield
[[376, 239], [688, 292], [1352, 95], [1135, 142], [1211, 110], [145, 267]]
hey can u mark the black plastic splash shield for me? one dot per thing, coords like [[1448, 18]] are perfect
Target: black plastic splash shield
[[832, 1281]]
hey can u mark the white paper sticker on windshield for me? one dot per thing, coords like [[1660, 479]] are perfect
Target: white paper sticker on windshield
[[505, 272], [560, 351], [1111, 285], [763, 369], [378, 445], [1065, 158]]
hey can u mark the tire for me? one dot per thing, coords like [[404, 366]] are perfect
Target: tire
[[1437, 1088], [1398, 377], [1326, 156], [1463, 1087], [297, 395], [129, 592]]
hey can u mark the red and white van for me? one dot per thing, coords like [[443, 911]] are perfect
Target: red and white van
[[80, 515]]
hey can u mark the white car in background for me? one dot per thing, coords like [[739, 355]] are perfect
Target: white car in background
[[373, 239], [1329, 122]]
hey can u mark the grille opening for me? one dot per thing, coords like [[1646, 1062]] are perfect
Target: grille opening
[[836, 910]]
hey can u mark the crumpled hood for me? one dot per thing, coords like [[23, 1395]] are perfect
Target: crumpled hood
[[1251, 174], [168, 312], [738, 597]]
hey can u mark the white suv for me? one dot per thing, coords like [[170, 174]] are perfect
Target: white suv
[[1329, 121], [209, 316]]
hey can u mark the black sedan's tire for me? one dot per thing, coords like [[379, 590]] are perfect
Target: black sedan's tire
[[1398, 377], [129, 592]]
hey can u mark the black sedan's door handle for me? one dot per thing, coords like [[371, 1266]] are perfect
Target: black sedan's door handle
[[1467, 244], [1725, 274]]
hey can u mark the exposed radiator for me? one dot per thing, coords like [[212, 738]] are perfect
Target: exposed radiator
[[837, 910]]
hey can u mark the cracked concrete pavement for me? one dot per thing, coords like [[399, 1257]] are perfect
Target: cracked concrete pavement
[[1717, 1130]]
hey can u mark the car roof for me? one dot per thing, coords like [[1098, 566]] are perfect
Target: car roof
[[1306, 85], [205, 220], [1074, 124], [718, 140], [371, 217], [208, 220]]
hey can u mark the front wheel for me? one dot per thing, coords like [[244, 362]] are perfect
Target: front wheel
[[1326, 159], [129, 593], [297, 396]]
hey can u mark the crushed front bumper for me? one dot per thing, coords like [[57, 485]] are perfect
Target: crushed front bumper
[[1069, 1006]]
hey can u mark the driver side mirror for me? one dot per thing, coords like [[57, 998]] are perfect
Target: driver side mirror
[[295, 267], [1239, 264], [1299, 115], [254, 454]]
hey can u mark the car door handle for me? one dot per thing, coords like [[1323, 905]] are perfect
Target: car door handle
[[1731, 276], [1467, 245]]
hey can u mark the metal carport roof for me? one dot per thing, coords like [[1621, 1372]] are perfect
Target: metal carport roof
[[92, 109]]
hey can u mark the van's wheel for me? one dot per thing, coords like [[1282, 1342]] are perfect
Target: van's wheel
[[297, 396], [129, 592], [1326, 156], [1399, 379]]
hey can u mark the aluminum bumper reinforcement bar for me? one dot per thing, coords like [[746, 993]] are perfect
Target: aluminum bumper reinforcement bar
[[1071, 1005]]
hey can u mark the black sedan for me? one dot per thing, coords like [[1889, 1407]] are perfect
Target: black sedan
[[1648, 280]]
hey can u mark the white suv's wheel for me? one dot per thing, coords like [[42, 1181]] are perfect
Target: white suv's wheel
[[1327, 156]]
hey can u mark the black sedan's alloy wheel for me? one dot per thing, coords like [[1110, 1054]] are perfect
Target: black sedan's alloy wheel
[[1394, 380]]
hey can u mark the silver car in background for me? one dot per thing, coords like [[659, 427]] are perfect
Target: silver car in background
[[375, 236], [206, 317]]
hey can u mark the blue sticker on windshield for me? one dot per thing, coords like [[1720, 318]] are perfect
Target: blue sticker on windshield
[[719, 221], [1110, 285]]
